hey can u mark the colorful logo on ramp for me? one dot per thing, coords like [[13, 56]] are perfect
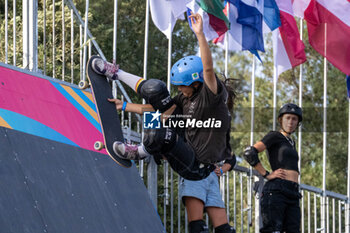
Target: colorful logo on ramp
[[151, 120]]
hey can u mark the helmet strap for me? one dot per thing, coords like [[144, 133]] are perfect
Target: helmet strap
[[286, 131]]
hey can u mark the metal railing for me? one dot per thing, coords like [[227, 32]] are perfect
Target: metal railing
[[34, 41], [235, 187]]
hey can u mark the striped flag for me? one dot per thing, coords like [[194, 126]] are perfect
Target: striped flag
[[328, 24], [249, 18], [214, 7], [246, 26], [288, 48], [215, 23]]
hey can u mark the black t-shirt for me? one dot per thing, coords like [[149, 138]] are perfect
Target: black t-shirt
[[211, 144], [281, 152]]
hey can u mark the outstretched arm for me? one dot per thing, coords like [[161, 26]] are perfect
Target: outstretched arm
[[131, 107], [140, 108], [208, 69]]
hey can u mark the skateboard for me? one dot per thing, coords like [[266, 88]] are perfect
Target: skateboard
[[107, 113]]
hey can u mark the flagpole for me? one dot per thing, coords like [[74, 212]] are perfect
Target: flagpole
[[323, 214], [275, 77], [85, 37], [226, 76], [300, 128], [275, 74], [300, 102], [166, 165], [251, 143], [226, 41], [152, 167], [114, 85], [145, 54], [115, 30], [347, 205], [170, 44], [226, 55]]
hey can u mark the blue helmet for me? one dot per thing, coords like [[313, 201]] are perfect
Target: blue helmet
[[187, 70]]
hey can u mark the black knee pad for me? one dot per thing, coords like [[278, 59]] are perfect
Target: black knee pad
[[198, 226], [225, 228], [155, 92], [179, 154], [159, 140]]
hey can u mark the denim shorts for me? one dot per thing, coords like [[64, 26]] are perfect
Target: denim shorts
[[206, 190]]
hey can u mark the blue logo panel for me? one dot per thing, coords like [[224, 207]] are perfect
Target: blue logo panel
[[151, 120]]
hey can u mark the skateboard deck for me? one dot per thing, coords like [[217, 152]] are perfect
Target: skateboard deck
[[107, 114]]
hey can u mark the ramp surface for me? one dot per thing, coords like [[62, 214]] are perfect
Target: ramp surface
[[48, 186], [48, 108]]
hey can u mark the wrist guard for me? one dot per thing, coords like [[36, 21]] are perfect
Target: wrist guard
[[266, 174], [232, 161]]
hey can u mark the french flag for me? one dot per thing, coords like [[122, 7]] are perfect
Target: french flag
[[328, 24], [288, 48], [246, 19], [215, 22]]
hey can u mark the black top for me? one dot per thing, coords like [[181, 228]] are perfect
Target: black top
[[211, 144], [281, 151]]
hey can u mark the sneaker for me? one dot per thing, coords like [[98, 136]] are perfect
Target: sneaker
[[126, 151], [105, 68]]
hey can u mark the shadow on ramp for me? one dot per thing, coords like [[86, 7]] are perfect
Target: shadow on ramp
[[47, 186]]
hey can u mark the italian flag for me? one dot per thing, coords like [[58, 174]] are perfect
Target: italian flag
[[215, 22]]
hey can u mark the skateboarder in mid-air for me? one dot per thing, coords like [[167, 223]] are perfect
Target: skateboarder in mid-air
[[193, 152], [202, 96]]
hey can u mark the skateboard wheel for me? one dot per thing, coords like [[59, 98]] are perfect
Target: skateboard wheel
[[83, 84], [98, 145]]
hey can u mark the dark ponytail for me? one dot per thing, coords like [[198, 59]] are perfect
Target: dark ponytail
[[231, 92]]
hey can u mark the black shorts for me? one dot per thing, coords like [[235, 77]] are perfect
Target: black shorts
[[280, 208]]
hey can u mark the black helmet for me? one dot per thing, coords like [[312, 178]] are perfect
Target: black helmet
[[291, 109]]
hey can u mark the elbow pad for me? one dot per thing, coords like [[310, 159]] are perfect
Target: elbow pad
[[250, 154], [156, 93]]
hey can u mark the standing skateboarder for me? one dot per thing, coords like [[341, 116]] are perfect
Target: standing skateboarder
[[280, 196]]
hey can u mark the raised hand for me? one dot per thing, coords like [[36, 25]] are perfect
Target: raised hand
[[197, 23]]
